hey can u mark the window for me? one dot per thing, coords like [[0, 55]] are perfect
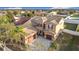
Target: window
[[44, 26], [40, 25], [50, 26], [37, 24]]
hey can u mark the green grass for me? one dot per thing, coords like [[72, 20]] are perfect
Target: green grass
[[75, 18], [75, 15], [70, 26], [77, 28], [66, 43]]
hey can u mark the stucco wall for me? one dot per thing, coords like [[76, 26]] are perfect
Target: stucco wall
[[59, 27]]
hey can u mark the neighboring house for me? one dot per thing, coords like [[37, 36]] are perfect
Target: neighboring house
[[40, 13], [3, 13], [65, 12], [19, 20], [49, 26], [22, 12]]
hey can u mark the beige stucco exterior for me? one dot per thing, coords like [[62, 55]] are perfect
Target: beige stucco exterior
[[30, 35], [59, 27], [50, 27]]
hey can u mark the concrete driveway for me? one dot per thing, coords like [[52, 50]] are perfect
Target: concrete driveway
[[40, 44]]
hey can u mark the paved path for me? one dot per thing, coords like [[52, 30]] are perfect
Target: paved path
[[40, 44], [71, 21], [71, 32]]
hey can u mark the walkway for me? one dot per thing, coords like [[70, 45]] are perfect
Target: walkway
[[71, 21], [71, 32]]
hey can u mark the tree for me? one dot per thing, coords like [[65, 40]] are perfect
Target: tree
[[24, 14], [4, 30], [5, 19], [15, 12], [10, 16], [29, 14], [10, 32], [53, 46]]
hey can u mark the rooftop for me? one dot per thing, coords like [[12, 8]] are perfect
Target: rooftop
[[28, 31], [39, 19], [20, 20], [55, 18]]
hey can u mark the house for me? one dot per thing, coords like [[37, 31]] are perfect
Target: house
[[49, 26], [30, 31], [27, 28], [18, 20], [3, 13], [40, 13], [38, 23], [22, 12], [30, 35], [54, 25]]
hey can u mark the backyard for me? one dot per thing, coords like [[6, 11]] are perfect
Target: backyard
[[70, 26], [66, 42]]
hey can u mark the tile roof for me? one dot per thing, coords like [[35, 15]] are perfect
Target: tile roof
[[21, 20], [39, 19], [52, 17]]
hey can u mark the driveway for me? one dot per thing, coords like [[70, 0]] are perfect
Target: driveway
[[40, 44]]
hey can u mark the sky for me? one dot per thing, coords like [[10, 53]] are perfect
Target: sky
[[39, 3]]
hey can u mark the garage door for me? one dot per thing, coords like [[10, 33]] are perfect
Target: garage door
[[49, 37], [30, 39]]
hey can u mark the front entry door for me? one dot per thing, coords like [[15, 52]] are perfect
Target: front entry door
[[39, 33]]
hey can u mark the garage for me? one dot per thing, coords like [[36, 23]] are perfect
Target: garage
[[31, 35], [49, 37], [30, 39]]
